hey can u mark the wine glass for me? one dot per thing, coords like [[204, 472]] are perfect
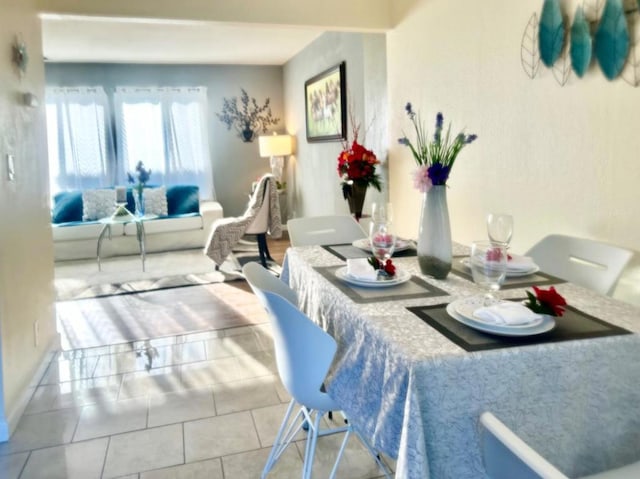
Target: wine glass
[[381, 212], [500, 228], [488, 263], [383, 240]]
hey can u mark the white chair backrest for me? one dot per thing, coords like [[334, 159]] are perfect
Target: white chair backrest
[[304, 351], [323, 230], [507, 456], [259, 278], [582, 261], [260, 223]]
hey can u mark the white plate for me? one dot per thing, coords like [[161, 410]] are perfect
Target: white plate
[[468, 306], [548, 323], [363, 243], [510, 274], [399, 278]]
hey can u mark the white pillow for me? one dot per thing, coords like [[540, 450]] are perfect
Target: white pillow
[[98, 204], [155, 201]]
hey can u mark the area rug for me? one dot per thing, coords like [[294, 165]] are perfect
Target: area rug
[[81, 279], [159, 315]]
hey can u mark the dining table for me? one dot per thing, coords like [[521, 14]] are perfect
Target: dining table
[[414, 380]]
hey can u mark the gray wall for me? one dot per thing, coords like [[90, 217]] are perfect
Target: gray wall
[[313, 182], [235, 164]]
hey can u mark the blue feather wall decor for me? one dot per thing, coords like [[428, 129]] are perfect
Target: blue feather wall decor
[[551, 32], [612, 39], [581, 43]]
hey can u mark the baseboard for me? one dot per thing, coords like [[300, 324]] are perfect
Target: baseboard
[[9, 423]]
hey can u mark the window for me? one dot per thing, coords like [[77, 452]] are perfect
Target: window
[[166, 129], [80, 140]]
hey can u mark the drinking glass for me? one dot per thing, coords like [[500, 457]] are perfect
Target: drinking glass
[[381, 212], [500, 228], [383, 240], [488, 263]]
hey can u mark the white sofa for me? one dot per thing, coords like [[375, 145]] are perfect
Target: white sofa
[[79, 239]]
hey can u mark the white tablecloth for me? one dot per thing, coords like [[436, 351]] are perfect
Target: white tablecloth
[[418, 396]]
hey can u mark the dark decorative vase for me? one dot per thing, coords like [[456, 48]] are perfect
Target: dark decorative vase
[[247, 135], [434, 236], [356, 199]]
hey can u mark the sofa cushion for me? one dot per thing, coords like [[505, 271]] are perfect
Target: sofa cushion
[[155, 201], [182, 199], [98, 204], [67, 206]]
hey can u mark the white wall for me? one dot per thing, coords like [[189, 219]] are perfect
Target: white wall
[[26, 248], [560, 159], [313, 182]]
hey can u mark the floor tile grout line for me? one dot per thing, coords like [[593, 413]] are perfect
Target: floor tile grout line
[[24, 466], [106, 454]]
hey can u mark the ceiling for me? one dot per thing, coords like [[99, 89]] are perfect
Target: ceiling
[[68, 38]]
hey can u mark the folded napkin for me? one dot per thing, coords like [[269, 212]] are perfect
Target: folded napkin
[[520, 264], [506, 313], [359, 268]]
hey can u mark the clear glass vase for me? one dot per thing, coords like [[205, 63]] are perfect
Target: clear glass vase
[[434, 236], [138, 199]]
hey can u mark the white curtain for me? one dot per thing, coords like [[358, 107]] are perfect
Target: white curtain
[[80, 138], [166, 129]]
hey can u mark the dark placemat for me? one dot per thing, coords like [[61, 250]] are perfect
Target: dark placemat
[[574, 324], [535, 279], [348, 251], [412, 289]]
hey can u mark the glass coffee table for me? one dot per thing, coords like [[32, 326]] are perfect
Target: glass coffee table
[[140, 234]]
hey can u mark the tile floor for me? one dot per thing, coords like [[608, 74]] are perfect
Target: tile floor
[[203, 405]]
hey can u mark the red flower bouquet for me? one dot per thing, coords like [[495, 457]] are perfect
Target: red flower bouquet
[[357, 165], [547, 301]]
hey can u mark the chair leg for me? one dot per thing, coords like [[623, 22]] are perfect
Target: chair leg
[[283, 438], [310, 450], [262, 248]]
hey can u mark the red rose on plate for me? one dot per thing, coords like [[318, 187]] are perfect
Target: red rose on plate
[[551, 299], [389, 268]]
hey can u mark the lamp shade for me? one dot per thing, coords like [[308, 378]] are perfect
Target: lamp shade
[[275, 145]]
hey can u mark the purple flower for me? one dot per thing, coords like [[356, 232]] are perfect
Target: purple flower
[[439, 173], [439, 121], [404, 141], [142, 173], [470, 139], [409, 110]]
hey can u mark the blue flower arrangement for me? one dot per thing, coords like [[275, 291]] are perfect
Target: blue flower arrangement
[[142, 175], [434, 158]]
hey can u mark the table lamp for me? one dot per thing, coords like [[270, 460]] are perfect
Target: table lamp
[[275, 147]]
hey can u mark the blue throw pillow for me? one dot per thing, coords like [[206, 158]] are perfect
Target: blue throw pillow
[[67, 207], [183, 199]]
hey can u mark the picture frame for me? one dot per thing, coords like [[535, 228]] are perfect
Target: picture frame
[[326, 105]]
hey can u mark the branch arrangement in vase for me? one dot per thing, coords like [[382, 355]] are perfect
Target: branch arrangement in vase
[[247, 117]]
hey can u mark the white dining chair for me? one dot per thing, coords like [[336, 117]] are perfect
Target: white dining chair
[[304, 353], [582, 261], [262, 216], [259, 277], [324, 230], [507, 456]]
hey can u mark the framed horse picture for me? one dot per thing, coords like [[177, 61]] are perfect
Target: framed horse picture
[[326, 105]]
